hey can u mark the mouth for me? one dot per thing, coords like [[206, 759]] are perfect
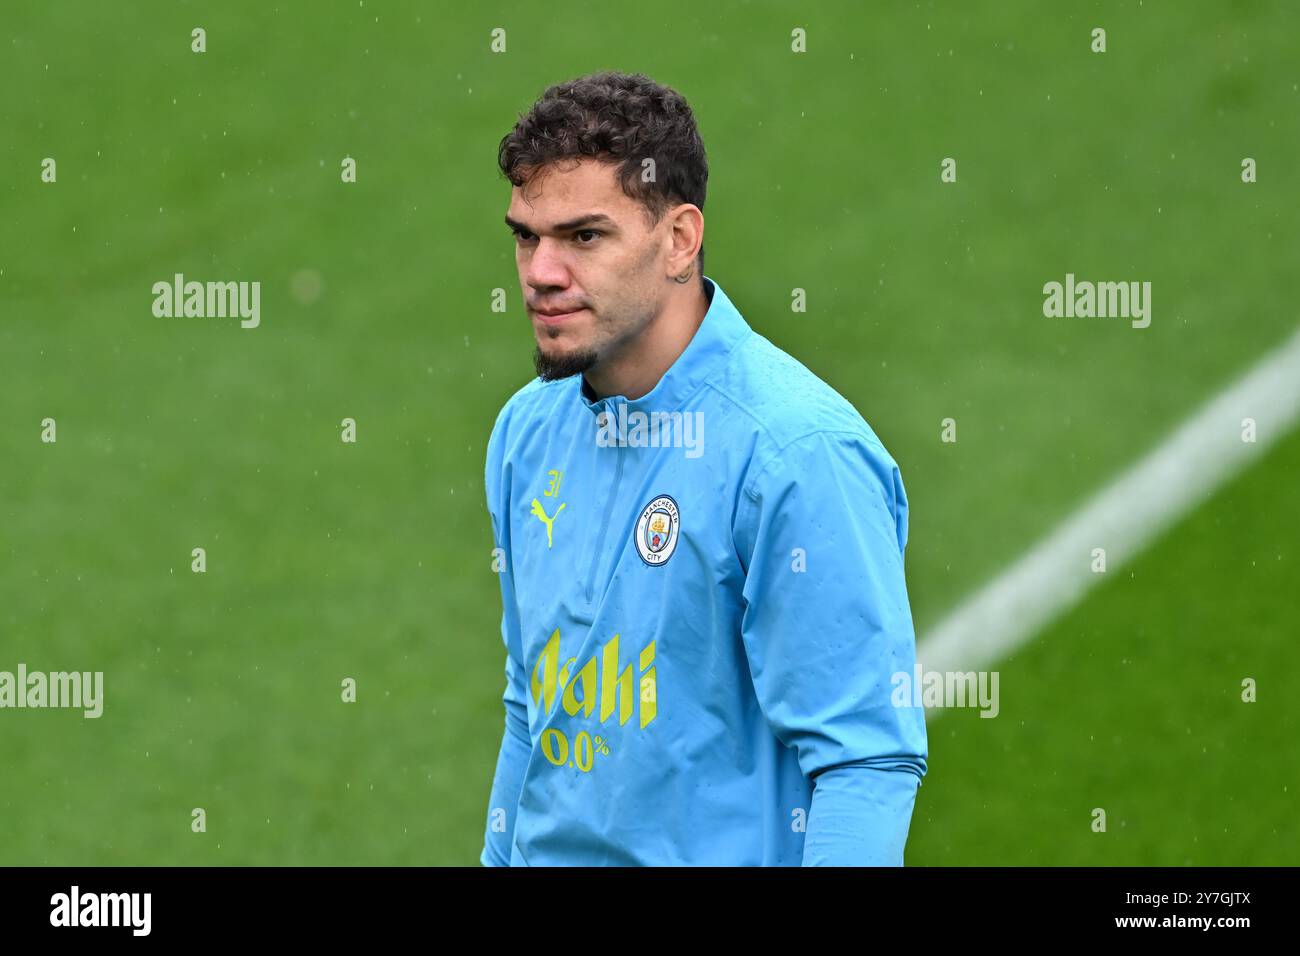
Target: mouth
[[556, 318]]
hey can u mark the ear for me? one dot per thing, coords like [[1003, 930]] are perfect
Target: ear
[[686, 235]]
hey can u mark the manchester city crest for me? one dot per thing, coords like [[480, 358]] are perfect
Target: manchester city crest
[[657, 530]]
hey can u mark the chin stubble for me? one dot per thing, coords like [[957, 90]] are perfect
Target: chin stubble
[[550, 368]]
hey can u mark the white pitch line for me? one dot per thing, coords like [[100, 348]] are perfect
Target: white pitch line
[[1185, 469]]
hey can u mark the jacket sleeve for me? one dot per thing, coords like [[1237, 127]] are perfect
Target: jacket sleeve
[[512, 760], [516, 742], [821, 529]]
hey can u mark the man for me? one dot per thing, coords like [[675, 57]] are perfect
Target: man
[[701, 624]]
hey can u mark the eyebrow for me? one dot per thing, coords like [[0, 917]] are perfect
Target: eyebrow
[[590, 219]]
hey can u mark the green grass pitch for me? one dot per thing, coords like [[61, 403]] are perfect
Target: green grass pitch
[[372, 560]]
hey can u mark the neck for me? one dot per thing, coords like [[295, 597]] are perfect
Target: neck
[[637, 368]]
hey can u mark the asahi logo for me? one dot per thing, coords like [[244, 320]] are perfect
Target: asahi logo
[[598, 679], [209, 300]]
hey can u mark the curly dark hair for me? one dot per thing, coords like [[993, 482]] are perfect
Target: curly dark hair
[[617, 118]]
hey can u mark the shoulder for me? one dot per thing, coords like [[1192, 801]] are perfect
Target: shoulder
[[798, 419], [534, 402], [515, 422]]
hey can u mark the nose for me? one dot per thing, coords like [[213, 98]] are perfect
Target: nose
[[547, 268]]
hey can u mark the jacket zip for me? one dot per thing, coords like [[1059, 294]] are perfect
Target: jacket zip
[[604, 525]]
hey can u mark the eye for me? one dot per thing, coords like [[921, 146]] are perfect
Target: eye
[[522, 235], [587, 232]]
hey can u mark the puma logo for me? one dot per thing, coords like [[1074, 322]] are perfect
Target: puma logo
[[545, 519]]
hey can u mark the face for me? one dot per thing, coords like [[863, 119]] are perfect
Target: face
[[591, 265]]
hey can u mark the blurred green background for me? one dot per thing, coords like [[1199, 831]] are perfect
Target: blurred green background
[[372, 561]]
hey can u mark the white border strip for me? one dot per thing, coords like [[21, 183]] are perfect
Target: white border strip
[[1201, 454]]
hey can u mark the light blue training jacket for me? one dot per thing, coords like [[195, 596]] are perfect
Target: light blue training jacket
[[704, 610]]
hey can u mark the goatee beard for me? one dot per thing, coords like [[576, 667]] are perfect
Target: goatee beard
[[551, 368]]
